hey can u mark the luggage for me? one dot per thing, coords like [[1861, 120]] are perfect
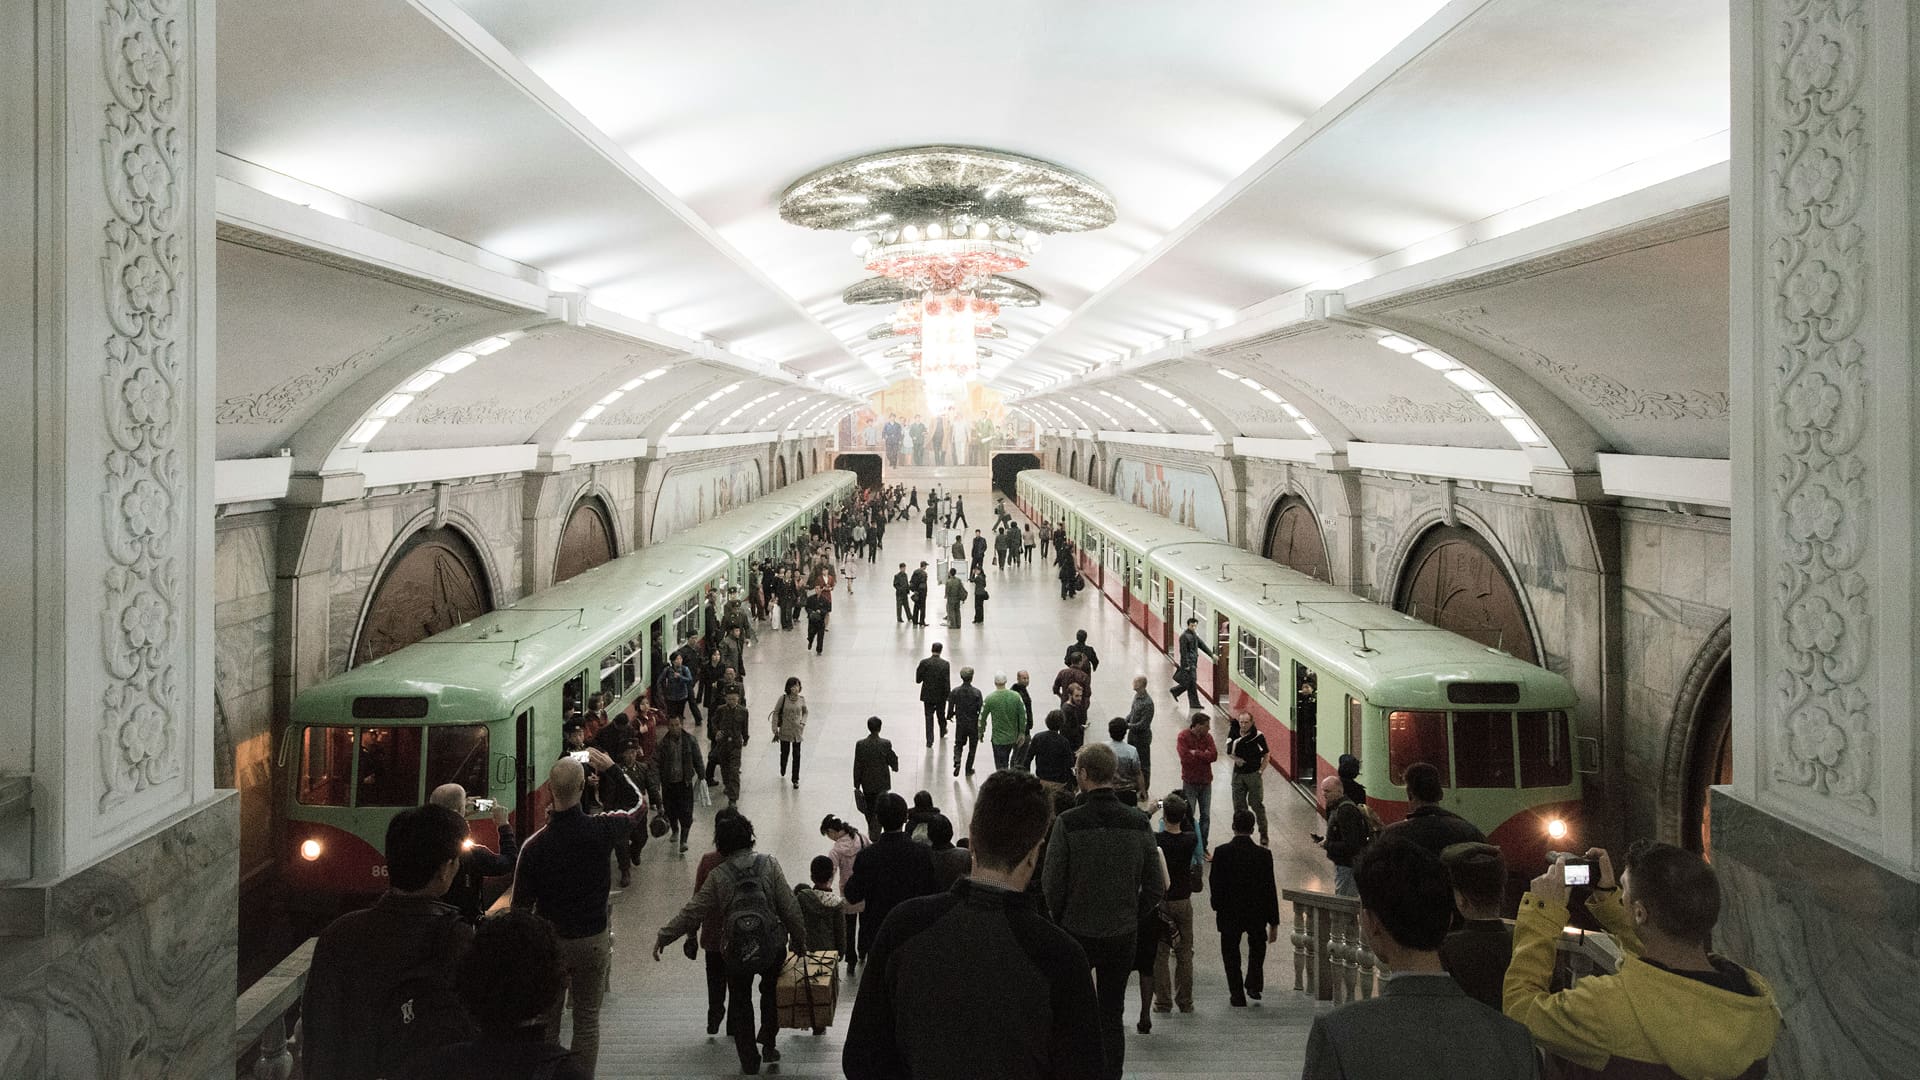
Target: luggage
[[808, 990]]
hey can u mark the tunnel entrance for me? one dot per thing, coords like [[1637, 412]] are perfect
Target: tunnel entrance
[[864, 467], [1007, 467]]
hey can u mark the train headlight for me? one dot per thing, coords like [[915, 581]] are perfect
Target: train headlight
[[1556, 829], [310, 850]]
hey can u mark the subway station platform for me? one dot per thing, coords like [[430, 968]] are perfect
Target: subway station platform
[[654, 1019]]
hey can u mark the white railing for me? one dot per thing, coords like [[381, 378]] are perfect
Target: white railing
[[260, 1017]]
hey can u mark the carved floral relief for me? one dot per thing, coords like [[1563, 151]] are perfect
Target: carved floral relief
[[144, 264], [1821, 719]]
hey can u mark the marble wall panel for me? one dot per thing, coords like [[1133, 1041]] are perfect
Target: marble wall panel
[[129, 972], [1837, 936], [243, 669]]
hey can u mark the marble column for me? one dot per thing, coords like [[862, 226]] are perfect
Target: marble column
[[1816, 836], [117, 914]]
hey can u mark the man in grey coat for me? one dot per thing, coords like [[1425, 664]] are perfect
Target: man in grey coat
[[1140, 732], [1103, 869], [1423, 1023]]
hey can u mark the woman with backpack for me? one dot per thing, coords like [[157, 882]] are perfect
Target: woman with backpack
[[789, 721], [759, 921], [848, 842]]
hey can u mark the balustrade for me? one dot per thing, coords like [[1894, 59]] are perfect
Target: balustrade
[[260, 1016]]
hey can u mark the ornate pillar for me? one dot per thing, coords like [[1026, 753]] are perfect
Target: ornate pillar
[[1816, 837], [117, 927]]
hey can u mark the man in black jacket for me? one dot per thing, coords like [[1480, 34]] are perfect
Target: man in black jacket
[[565, 878], [1081, 648], [888, 871], [1187, 677], [407, 940], [981, 950], [1103, 869], [874, 764], [1427, 823], [935, 677], [902, 595], [966, 700], [917, 585], [477, 862], [1245, 903]]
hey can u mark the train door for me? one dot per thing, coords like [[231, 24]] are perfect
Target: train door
[[1167, 631], [526, 817], [1222, 669], [1306, 716]]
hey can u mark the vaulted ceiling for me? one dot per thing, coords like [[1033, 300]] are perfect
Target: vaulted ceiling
[[1527, 186]]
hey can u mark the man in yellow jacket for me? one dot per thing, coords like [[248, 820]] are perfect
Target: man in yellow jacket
[[1674, 1008]]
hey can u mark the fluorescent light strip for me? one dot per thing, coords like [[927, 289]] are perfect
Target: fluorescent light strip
[[593, 411]]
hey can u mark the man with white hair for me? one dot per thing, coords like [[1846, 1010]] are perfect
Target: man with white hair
[[565, 877], [477, 862], [1006, 717]]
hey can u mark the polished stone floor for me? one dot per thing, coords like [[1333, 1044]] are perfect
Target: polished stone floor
[[654, 1019]]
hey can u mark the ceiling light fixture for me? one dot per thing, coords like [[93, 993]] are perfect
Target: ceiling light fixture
[[1398, 344], [1434, 360], [1467, 380]]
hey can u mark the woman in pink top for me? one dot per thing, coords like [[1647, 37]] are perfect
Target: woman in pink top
[[847, 843]]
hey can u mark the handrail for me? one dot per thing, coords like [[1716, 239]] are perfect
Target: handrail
[[260, 1016], [1330, 960]]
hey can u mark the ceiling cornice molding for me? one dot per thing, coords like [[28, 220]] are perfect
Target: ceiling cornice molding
[[1667, 228], [281, 245]]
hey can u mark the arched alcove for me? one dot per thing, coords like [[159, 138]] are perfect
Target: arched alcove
[[586, 540], [1699, 743], [435, 581], [1093, 470], [779, 472], [1294, 539], [1073, 465], [1453, 579]]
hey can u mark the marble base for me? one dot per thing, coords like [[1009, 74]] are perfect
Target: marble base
[[1837, 935], [125, 970]]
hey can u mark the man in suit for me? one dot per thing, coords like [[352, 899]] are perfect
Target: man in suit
[[935, 677], [1422, 1023], [874, 764], [917, 585], [902, 595], [1245, 903]]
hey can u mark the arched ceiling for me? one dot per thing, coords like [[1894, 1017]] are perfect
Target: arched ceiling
[[1526, 186]]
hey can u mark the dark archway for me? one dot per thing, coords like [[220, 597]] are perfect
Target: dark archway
[[1453, 579], [1056, 458], [815, 466], [1093, 470], [586, 541], [1294, 539], [779, 472], [435, 582], [799, 467], [864, 467], [1008, 467], [1710, 757], [1073, 465]]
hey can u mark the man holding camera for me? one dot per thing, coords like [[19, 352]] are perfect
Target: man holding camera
[[1674, 1008]]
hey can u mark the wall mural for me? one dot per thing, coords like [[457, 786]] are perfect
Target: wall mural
[[1190, 497], [689, 496], [896, 422]]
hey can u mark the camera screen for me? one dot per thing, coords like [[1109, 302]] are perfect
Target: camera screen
[[579, 756], [1579, 874]]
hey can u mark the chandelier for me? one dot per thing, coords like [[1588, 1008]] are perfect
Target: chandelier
[[940, 225]]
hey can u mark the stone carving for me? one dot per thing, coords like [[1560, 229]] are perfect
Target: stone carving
[[1820, 718], [1396, 409], [488, 411], [1608, 396], [277, 403], [145, 262]]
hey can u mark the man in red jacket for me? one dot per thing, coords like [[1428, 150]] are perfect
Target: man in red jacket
[[1197, 755]]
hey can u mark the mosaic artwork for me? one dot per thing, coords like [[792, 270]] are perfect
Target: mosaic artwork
[[897, 424], [1190, 497]]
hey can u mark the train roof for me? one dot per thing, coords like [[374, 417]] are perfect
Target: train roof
[[1384, 654]]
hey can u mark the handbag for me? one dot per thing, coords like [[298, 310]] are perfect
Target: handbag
[[1169, 929], [1195, 879]]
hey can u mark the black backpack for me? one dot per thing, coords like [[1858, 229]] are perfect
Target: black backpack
[[756, 938], [421, 1011]]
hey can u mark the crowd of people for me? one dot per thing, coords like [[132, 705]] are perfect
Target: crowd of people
[[1002, 945]]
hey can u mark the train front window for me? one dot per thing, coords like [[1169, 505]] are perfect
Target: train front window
[[1546, 752], [1483, 749], [1415, 737], [326, 766], [389, 767], [458, 755]]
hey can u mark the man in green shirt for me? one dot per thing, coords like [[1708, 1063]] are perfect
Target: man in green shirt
[[1006, 717]]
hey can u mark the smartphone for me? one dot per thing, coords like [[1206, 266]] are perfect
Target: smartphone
[[481, 806], [579, 756], [1579, 872]]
